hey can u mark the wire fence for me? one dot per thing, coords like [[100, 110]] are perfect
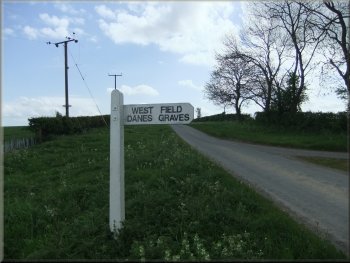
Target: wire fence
[[18, 143]]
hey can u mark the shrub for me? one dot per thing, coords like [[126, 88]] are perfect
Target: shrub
[[45, 127]]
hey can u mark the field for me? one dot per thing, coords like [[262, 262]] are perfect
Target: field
[[179, 205], [17, 132]]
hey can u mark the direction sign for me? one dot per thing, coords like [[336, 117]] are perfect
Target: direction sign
[[163, 113]]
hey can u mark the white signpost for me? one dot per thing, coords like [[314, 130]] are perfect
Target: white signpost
[[140, 114]]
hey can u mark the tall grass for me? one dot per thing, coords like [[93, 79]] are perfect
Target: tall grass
[[179, 205]]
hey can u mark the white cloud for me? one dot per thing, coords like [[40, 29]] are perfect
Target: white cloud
[[54, 20], [54, 27], [8, 31], [105, 12], [77, 20], [69, 9], [194, 30], [26, 107], [93, 39], [59, 32], [137, 90], [30, 32], [189, 84]]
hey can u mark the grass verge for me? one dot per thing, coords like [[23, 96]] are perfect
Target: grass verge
[[251, 132], [340, 164], [179, 205]]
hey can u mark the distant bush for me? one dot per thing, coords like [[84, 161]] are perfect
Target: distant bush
[[45, 127], [224, 117], [306, 121]]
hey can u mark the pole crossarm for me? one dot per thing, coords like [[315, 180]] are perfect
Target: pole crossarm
[[115, 78], [62, 42]]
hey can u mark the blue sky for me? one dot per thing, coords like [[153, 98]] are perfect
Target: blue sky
[[165, 51]]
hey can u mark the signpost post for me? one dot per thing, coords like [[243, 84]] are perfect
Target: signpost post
[[139, 114], [116, 169]]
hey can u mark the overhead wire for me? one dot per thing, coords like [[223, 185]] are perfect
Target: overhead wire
[[87, 87]]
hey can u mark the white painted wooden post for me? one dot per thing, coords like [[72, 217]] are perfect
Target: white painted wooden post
[[142, 114], [116, 183]]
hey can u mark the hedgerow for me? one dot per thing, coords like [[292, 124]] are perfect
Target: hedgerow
[[224, 117], [299, 121], [46, 127], [305, 121]]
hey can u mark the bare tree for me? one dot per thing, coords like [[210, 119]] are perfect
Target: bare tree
[[294, 18], [332, 19], [230, 82], [264, 44]]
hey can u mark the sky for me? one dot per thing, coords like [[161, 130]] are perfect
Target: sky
[[165, 52]]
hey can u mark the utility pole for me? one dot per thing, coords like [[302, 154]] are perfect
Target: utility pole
[[65, 43], [115, 79]]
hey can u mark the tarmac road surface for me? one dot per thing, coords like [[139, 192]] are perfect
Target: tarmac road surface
[[314, 195]]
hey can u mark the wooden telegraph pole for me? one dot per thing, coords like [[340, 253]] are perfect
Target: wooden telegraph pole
[[65, 43]]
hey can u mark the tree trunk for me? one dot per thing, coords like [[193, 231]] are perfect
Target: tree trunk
[[238, 111]]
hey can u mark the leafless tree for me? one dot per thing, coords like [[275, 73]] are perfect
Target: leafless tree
[[230, 82], [332, 19], [264, 44], [295, 19]]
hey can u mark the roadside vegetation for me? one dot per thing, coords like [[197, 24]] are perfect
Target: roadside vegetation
[[339, 164], [251, 132], [179, 205], [312, 133]]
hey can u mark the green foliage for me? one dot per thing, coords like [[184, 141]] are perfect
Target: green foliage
[[239, 246], [320, 122], [342, 93], [305, 121], [291, 98], [224, 117], [179, 205], [46, 127], [256, 132]]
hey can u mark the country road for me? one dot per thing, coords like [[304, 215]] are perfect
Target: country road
[[314, 195]]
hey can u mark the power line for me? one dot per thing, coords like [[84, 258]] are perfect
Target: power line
[[65, 43], [87, 87]]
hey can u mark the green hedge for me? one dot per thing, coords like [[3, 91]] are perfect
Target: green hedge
[[45, 127], [224, 117], [306, 121]]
